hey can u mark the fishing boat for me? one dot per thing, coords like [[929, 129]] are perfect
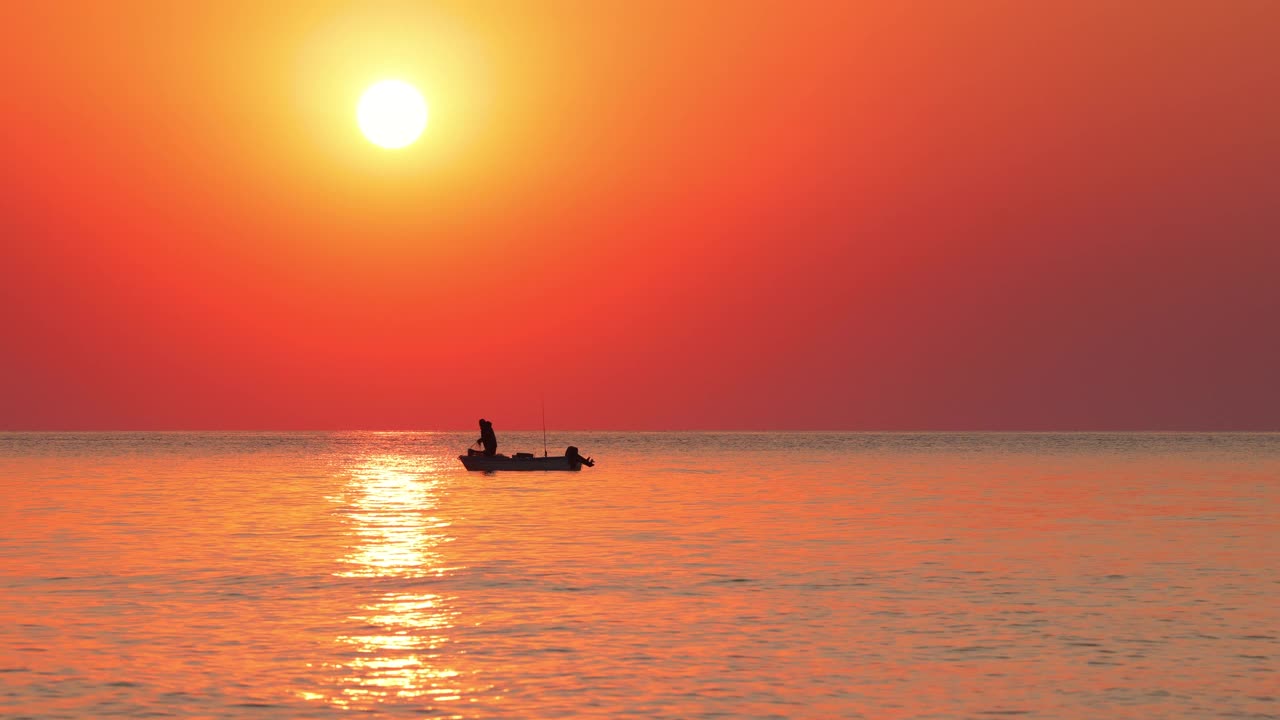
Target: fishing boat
[[477, 460], [525, 461]]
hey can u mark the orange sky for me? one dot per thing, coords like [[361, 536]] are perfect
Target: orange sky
[[662, 215]]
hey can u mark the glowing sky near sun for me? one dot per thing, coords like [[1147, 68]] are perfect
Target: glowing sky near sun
[[657, 215]]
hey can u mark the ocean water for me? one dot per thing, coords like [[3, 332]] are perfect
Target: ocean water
[[687, 575]]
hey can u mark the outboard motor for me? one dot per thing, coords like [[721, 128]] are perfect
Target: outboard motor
[[571, 454]]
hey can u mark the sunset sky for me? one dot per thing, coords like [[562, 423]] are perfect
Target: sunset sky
[[655, 215]]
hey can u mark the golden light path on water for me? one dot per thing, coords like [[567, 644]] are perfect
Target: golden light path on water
[[395, 649]]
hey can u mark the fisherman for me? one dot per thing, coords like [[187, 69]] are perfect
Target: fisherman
[[571, 454], [488, 440]]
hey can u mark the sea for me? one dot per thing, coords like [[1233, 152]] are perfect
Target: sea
[[686, 575]]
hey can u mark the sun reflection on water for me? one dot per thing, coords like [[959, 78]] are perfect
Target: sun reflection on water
[[388, 504], [394, 652]]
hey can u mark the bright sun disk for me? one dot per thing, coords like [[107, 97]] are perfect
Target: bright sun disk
[[391, 113]]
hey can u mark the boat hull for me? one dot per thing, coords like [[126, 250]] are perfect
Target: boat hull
[[502, 462]]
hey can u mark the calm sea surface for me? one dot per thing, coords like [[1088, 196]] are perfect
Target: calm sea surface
[[687, 575]]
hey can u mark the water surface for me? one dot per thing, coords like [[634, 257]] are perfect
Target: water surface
[[687, 575]]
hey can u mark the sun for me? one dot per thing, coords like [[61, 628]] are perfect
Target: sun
[[392, 114]]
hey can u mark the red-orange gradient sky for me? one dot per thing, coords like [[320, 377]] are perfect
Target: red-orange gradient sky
[[658, 215]]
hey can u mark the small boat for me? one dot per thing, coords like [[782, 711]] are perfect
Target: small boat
[[571, 460]]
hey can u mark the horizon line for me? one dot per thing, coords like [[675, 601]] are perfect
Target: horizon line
[[652, 430]]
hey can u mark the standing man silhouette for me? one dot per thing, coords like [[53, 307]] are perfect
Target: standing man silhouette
[[487, 439]]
